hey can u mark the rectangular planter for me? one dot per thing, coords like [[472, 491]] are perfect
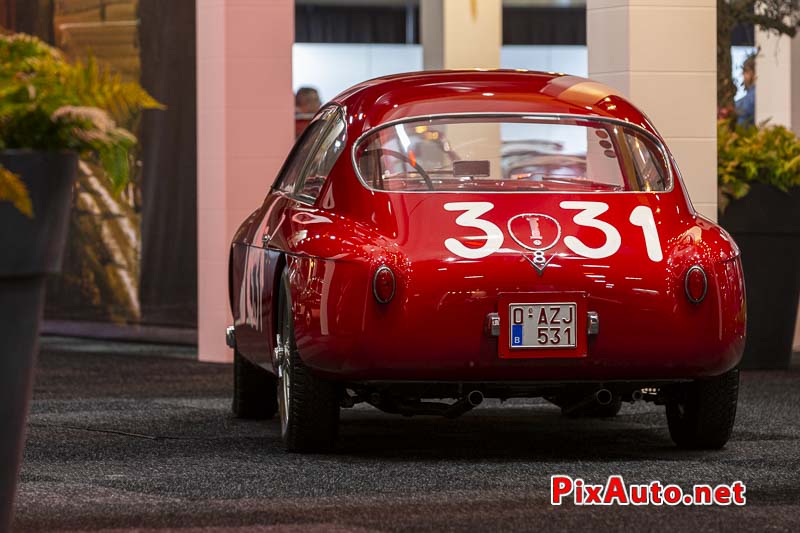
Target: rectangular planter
[[32, 248], [766, 226]]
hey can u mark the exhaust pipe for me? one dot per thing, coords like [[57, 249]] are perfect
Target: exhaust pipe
[[410, 406], [471, 400], [475, 398], [603, 396], [598, 397]]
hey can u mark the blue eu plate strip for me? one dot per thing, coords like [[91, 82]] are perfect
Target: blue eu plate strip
[[516, 335]]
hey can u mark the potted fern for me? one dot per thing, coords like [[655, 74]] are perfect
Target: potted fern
[[759, 184], [52, 114]]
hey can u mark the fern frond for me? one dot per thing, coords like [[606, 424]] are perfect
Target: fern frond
[[99, 87], [48, 103]]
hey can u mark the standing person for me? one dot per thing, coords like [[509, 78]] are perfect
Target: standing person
[[306, 103], [746, 105]]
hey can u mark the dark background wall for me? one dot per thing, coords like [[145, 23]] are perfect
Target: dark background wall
[[326, 23], [28, 16], [354, 24], [168, 289]]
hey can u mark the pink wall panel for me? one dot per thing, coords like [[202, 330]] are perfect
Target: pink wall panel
[[245, 113]]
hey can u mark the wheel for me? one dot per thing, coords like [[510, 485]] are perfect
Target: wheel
[[308, 404], [701, 414], [254, 390], [595, 410]]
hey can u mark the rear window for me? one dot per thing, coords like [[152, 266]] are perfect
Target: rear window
[[508, 154]]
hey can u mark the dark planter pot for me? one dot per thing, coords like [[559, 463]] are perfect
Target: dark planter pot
[[766, 226], [31, 249]]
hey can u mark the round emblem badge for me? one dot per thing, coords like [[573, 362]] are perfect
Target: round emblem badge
[[534, 231]]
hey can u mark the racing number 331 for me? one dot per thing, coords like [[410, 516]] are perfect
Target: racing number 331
[[641, 216]]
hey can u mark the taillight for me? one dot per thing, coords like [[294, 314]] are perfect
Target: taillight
[[383, 284], [696, 284]]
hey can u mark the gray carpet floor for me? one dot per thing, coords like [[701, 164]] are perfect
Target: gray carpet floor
[[122, 438]]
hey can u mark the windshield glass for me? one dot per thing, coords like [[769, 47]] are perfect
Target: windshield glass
[[508, 154]]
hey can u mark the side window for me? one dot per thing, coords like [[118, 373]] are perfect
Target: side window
[[305, 147], [650, 166], [327, 152]]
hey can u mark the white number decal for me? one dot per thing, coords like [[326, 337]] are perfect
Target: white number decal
[[590, 210], [470, 219], [642, 216]]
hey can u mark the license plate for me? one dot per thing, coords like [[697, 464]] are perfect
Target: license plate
[[543, 325]]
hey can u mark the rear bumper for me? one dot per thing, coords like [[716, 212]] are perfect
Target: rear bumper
[[427, 333], [640, 344], [485, 366], [506, 389]]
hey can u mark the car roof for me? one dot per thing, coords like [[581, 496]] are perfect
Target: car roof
[[385, 99]]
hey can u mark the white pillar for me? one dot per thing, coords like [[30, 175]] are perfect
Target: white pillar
[[661, 54], [778, 80], [245, 127], [461, 33]]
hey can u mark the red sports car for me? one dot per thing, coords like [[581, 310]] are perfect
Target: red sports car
[[437, 238]]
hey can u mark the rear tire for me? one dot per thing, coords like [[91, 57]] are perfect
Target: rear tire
[[254, 390], [309, 405], [701, 414]]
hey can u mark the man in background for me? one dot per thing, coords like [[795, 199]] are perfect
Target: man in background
[[306, 103], [746, 105]]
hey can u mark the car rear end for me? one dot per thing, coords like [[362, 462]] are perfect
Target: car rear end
[[498, 318], [535, 248], [508, 254]]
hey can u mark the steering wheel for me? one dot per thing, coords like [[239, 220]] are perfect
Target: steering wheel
[[404, 158]]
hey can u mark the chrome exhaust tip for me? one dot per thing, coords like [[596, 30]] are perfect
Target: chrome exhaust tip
[[475, 398], [603, 396]]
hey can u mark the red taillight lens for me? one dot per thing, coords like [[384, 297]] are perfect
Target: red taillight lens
[[696, 284], [383, 284]]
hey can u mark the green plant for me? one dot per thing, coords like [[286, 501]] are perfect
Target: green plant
[[48, 103], [763, 153]]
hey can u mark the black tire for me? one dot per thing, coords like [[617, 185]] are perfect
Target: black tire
[[255, 395], [701, 414], [309, 406], [595, 410]]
